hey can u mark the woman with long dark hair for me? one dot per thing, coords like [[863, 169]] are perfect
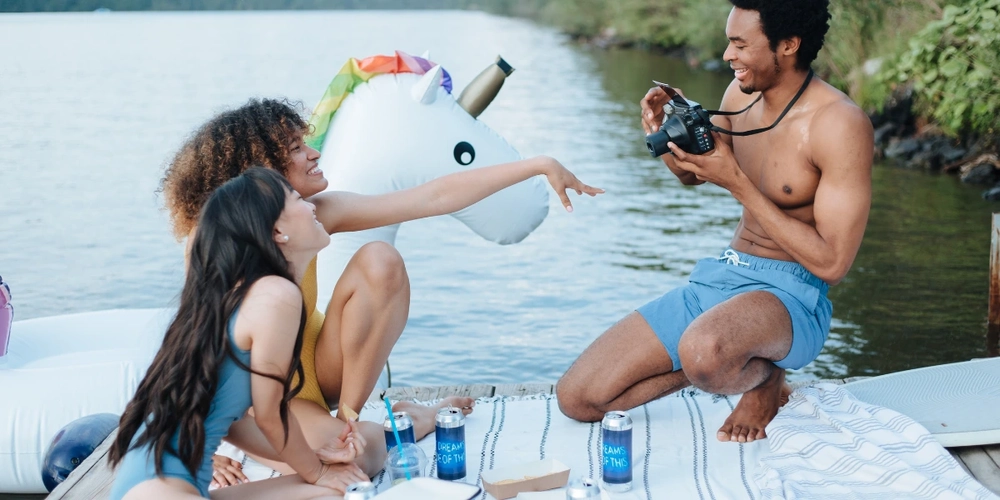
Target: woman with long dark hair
[[235, 343]]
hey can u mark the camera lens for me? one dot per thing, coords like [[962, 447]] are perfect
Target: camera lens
[[656, 143]]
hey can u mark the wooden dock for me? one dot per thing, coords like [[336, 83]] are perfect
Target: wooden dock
[[92, 479]]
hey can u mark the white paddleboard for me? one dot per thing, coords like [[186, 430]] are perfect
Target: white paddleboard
[[958, 403]]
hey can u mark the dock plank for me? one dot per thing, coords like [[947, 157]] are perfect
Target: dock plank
[[92, 479], [982, 467], [433, 393], [954, 454], [993, 451], [523, 389]]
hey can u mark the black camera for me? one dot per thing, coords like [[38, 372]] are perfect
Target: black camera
[[687, 126]]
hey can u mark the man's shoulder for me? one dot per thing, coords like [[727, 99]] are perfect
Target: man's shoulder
[[838, 126], [835, 111]]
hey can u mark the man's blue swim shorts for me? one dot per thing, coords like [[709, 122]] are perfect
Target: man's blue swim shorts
[[716, 280]]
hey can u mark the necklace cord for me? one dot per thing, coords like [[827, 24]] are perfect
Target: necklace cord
[[791, 103]]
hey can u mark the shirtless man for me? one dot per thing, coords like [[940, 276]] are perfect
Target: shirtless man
[[761, 308]]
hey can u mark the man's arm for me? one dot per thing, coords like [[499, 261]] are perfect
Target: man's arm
[[843, 154], [653, 115]]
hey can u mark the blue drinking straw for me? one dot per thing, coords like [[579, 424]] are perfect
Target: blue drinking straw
[[399, 442]]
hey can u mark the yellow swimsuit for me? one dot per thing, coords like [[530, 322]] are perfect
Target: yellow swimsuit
[[310, 335]]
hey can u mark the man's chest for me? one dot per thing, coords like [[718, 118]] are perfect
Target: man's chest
[[778, 163]]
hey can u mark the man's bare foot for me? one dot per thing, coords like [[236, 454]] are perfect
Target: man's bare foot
[[756, 409], [423, 416]]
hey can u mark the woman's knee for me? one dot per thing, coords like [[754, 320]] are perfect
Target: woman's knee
[[381, 266]]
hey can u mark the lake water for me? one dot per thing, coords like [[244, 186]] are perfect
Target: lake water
[[93, 105]]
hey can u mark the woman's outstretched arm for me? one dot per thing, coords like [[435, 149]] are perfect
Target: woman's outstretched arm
[[341, 211]]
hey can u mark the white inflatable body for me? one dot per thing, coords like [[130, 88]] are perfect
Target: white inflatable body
[[393, 132], [401, 130], [62, 368]]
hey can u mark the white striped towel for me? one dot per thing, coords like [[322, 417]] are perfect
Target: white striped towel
[[825, 443], [675, 452]]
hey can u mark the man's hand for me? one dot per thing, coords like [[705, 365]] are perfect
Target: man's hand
[[226, 472], [345, 448], [718, 167], [652, 108]]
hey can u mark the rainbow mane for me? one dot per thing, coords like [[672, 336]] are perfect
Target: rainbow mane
[[356, 72]]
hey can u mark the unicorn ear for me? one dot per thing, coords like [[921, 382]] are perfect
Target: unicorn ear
[[425, 90]]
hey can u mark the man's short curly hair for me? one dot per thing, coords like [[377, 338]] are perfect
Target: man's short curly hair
[[255, 134], [783, 19]]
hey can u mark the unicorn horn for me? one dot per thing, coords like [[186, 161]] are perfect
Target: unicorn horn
[[425, 90], [479, 93]]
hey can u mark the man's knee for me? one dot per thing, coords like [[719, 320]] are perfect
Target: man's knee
[[575, 400], [703, 358], [382, 266]]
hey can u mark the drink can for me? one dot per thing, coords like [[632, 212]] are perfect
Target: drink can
[[360, 491], [404, 424], [616, 433], [449, 432], [584, 488]]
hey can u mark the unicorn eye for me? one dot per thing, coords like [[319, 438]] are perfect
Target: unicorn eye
[[464, 153]]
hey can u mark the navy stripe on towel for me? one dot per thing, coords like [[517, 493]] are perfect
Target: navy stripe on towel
[[545, 432], [694, 442], [743, 463], [649, 448], [704, 446]]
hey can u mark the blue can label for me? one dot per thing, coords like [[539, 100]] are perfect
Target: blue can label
[[406, 435], [450, 452], [617, 451]]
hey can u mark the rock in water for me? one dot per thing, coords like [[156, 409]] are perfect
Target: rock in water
[[73, 444]]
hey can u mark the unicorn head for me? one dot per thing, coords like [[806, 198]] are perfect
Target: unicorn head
[[390, 122]]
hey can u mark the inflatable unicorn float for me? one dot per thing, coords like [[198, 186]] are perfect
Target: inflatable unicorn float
[[385, 123]]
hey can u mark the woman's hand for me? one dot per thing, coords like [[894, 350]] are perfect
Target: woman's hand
[[562, 179], [226, 472], [338, 477], [345, 448]]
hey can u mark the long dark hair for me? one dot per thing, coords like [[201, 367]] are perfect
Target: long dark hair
[[233, 248]]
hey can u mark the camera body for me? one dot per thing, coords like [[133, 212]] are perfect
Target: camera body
[[688, 126]]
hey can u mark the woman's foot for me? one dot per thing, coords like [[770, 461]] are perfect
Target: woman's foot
[[423, 416]]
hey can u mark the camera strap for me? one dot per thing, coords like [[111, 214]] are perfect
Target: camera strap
[[744, 110]]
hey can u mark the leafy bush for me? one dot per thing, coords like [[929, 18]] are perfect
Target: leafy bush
[[953, 66], [577, 18]]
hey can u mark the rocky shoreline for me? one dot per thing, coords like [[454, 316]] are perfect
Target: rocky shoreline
[[904, 140]]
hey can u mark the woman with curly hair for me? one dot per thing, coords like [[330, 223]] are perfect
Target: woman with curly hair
[[235, 342], [343, 351]]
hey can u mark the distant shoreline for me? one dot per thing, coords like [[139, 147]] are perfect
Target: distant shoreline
[[106, 6]]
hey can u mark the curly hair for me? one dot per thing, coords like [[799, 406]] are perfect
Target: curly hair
[[256, 133], [783, 19]]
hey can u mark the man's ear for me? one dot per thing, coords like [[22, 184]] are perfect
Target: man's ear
[[790, 46]]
